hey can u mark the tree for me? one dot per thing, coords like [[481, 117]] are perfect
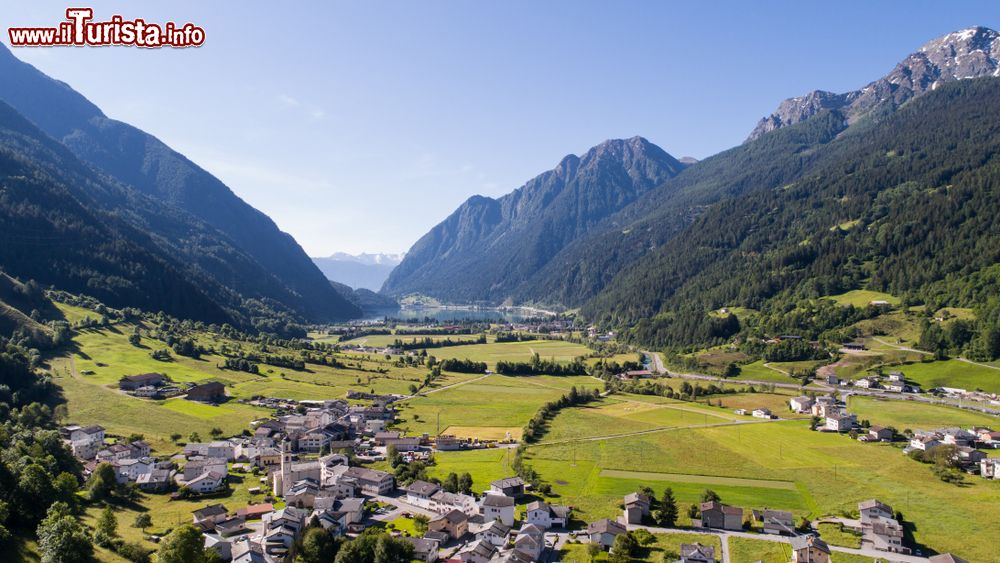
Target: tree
[[102, 482], [710, 496], [216, 432], [106, 531], [183, 545], [465, 483], [194, 437], [142, 521], [450, 483], [318, 546], [175, 437], [61, 538], [621, 550], [666, 516]]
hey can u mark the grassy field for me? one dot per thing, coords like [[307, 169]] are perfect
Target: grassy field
[[492, 402], [836, 534], [757, 371], [167, 514], [831, 474], [514, 351], [666, 548], [384, 340], [484, 465], [915, 415], [745, 550], [862, 297], [951, 373], [612, 416]]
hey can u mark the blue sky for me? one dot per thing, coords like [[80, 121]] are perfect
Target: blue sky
[[357, 126]]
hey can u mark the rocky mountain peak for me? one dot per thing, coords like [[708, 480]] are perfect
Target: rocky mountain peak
[[969, 53]]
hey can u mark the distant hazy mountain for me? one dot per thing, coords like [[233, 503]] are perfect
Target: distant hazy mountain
[[970, 53], [489, 247], [368, 271], [187, 212]]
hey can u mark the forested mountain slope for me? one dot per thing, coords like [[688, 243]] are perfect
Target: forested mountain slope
[[907, 204], [489, 247], [247, 251]]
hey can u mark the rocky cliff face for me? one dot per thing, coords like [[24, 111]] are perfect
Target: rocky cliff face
[[487, 247], [970, 53]]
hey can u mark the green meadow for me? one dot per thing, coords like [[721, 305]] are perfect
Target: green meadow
[[915, 415]]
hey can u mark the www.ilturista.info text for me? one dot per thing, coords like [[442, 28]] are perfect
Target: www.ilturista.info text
[[80, 30]]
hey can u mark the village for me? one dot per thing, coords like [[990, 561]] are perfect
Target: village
[[311, 464]]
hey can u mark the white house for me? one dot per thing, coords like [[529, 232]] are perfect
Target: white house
[[498, 507], [546, 516], [207, 482], [840, 422], [801, 404], [762, 413]]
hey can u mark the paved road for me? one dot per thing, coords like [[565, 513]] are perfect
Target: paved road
[[724, 536]]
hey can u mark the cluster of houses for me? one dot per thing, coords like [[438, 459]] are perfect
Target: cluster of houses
[[158, 386], [968, 443], [481, 530], [895, 382]]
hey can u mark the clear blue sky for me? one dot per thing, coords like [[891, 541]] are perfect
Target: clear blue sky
[[358, 126]]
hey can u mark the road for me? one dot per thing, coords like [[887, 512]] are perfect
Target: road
[[724, 536]]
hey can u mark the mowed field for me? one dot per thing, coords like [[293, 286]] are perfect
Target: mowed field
[[493, 402], [915, 415], [776, 464], [513, 351], [952, 373]]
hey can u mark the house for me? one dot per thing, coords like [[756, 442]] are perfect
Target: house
[[381, 437], [194, 468], [714, 514], [371, 481], [990, 468], [207, 482], [303, 493], [957, 437], [510, 487], [134, 382], [968, 457], [897, 376], [530, 540], [881, 434], [404, 444], [495, 532], [778, 522], [870, 382], [455, 523], [210, 392], [314, 441], [810, 549], [636, 508], [479, 551], [762, 413], [946, 558], [231, 526], [420, 493], [443, 501], [423, 549], [824, 406], [547, 516], [210, 515], [697, 553], [128, 470], [989, 438], [155, 481], [221, 546], [87, 434], [884, 534], [873, 508], [840, 422], [255, 511], [498, 507], [603, 532], [925, 442], [801, 404]]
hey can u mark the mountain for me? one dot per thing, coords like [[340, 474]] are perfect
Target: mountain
[[56, 231], [368, 271], [970, 53], [908, 204], [365, 299], [488, 248], [229, 241]]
